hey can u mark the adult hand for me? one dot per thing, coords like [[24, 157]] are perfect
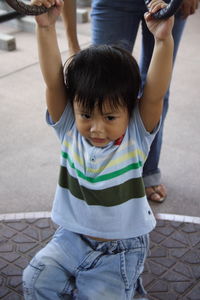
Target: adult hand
[[188, 7]]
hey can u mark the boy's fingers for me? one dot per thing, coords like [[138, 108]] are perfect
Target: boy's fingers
[[147, 16], [156, 5], [46, 3], [36, 2], [59, 2]]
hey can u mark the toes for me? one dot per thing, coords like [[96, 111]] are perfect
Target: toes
[[161, 189], [156, 197], [149, 191], [156, 193]]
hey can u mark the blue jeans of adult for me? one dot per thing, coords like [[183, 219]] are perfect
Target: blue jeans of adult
[[117, 22], [72, 266]]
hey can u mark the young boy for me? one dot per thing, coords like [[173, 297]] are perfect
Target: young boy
[[104, 219]]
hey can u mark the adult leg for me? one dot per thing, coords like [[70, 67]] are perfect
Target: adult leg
[[116, 22], [151, 172]]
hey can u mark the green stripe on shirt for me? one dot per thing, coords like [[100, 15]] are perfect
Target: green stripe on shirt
[[132, 188], [104, 177]]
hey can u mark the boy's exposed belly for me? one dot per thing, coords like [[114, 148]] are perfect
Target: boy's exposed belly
[[99, 239]]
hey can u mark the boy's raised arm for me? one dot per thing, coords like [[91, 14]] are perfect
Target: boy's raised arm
[[160, 69], [50, 61]]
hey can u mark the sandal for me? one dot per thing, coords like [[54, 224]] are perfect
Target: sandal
[[157, 193]]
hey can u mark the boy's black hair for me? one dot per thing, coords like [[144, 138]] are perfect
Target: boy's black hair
[[103, 72]]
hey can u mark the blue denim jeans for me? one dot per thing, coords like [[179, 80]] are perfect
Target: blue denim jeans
[[72, 266], [117, 22]]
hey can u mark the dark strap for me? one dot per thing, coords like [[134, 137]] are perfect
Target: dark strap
[[26, 9], [168, 11]]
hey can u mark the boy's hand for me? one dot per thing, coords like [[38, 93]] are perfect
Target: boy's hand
[[161, 29], [49, 18]]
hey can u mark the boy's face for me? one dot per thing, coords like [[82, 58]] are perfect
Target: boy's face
[[100, 128]]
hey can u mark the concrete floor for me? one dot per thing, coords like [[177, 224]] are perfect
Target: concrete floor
[[29, 150]]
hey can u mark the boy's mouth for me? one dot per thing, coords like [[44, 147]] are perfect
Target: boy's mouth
[[98, 140]]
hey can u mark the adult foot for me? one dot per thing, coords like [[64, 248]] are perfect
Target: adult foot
[[157, 193]]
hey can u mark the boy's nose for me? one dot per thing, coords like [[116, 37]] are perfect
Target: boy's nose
[[97, 127]]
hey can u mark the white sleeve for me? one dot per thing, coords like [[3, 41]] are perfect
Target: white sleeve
[[64, 124]]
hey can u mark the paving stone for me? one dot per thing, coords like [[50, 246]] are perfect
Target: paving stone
[[22, 238], [19, 226], [42, 223], [173, 276], [194, 294], [32, 232], [165, 261], [157, 237], [148, 278], [194, 238], [180, 237], [2, 238], [11, 270], [9, 256], [3, 291], [3, 264], [159, 287], [13, 296], [166, 296], [22, 262], [165, 230], [196, 271], [171, 243], [189, 228], [46, 234], [14, 281], [157, 270], [26, 247], [191, 257], [32, 252], [8, 233], [5, 247], [181, 287], [183, 269], [177, 253], [158, 252], [31, 221], [175, 224], [161, 223]]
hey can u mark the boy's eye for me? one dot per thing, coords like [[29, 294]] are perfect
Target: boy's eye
[[85, 116], [110, 118]]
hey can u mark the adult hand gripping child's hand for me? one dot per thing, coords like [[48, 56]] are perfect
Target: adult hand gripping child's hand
[[161, 29], [188, 8], [49, 18]]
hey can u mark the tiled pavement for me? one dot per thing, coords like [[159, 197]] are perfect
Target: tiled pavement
[[172, 270]]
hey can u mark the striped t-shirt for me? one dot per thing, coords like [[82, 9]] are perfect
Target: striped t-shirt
[[100, 191]]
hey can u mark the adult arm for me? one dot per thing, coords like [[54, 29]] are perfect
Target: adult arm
[[69, 19]]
